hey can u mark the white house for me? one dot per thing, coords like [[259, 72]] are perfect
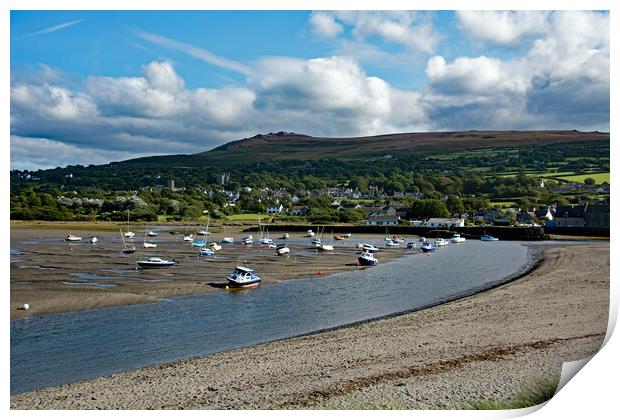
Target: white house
[[444, 222], [275, 209]]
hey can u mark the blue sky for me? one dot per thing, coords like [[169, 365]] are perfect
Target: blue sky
[[94, 86]]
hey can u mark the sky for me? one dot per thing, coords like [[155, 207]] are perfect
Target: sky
[[90, 87]]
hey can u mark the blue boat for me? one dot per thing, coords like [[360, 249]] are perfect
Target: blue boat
[[243, 277], [367, 258], [488, 238]]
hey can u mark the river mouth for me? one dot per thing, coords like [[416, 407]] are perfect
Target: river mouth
[[105, 341]]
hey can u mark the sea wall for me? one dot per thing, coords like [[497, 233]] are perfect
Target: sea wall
[[534, 233]]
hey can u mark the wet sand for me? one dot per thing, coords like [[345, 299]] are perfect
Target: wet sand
[[489, 345], [53, 275]]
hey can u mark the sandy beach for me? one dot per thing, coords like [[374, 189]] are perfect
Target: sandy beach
[[52, 275], [490, 345]]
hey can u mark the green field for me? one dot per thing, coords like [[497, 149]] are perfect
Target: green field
[[599, 177], [503, 204], [249, 216]]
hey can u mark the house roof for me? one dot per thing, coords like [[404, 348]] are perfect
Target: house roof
[[570, 211]]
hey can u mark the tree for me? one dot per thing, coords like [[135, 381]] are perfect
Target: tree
[[429, 208], [589, 181]]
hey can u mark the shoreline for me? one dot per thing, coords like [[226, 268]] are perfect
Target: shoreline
[[320, 343]]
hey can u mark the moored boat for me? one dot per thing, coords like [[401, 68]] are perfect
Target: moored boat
[[282, 249], [427, 247], [208, 252], [73, 238], [214, 246], [367, 258], [155, 262], [248, 240], [285, 236], [309, 233], [129, 234], [339, 237], [151, 234], [188, 238], [488, 238], [392, 244], [243, 277], [411, 245], [368, 247], [228, 240], [441, 242], [93, 240], [457, 238]]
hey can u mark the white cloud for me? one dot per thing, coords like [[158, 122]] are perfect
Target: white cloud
[[411, 29], [54, 28], [53, 102], [325, 25], [502, 27]]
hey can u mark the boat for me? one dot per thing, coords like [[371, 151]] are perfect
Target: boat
[[146, 244], [127, 249], [151, 234], [392, 244], [155, 262], [398, 239], [243, 277], [488, 238], [316, 241], [203, 233], [248, 240], [200, 243], [285, 236], [228, 240], [411, 245], [422, 239], [129, 234], [309, 233], [457, 238], [367, 258], [73, 238], [427, 247], [347, 235], [320, 246], [339, 237], [214, 246], [282, 249], [264, 240], [368, 247], [93, 240], [188, 238], [441, 242], [208, 252]]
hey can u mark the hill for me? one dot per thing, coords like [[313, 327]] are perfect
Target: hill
[[292, 146]]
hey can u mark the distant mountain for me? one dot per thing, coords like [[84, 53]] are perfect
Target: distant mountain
[[291, 146]]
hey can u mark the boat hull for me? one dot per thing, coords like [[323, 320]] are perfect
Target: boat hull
[[155, 265], [232, 284], [364, 261]]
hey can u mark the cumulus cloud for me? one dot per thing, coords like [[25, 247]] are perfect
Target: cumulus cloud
[[502, 27], [411, 29]]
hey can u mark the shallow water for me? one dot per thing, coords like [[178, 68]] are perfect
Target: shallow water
[[55, 349], [89, 283]]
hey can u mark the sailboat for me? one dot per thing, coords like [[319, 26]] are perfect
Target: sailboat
[[146, 244], [324, 247], [228, 239], [127, 249], [204, 234], [264, 240], [129, 234]]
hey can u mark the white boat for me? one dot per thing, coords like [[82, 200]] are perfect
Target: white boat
[[73, 238], [392, 244], [266, 241], [214, 246], [155, 262], [309, 233], [228, 240], [146, 244], [188, 238], [422, 239], [316, 241], [206, 252], [488, 238], [129, 234], [324, 247], [93, 240], [427, 247], [368, 247], [285, 236], [347, 235], [411, 245], [243, 277], [441, 242], [127, 249], [457, 238], [282, 249], [204, 233], [248, 240], [367, 258], [398, 239], [151, 234]]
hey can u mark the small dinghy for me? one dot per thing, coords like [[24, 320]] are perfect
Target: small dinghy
[[155, 262], [309, 233], [488, 238], [206, 252], [228, 240], [368, 247], [151, 234], [441, 242], [214, 246], [73, 238], [391, 244], [129, 234], [93, 240]]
